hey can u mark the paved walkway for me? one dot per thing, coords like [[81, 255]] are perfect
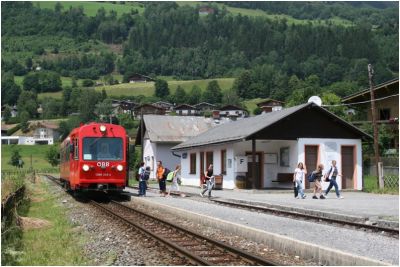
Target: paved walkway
[[366, 206], [360, 204]]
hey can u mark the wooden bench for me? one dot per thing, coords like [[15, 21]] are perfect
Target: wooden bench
[[284, 178]]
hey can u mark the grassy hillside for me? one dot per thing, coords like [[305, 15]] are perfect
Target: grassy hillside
[[91, 8], [261, 13], [38, 156], [147, 89]]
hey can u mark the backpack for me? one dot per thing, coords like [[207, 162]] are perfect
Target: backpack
[[146, 173], [311, 177], [166, 172], [170, 177]]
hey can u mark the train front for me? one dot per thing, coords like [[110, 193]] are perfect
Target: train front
[[104, 157]]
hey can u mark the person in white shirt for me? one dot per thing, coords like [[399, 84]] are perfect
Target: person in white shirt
[[298, 179]]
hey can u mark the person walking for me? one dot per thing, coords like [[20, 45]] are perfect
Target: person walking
[[161, 177], [330, 177], [298, 179], [210, 179], [176, 181], [143, 177], [317, 184]]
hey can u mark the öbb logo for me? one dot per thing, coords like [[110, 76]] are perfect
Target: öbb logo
[[103, 164]]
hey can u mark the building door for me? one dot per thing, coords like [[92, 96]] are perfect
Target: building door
[[348, 167], [249, 175], [311, 161]]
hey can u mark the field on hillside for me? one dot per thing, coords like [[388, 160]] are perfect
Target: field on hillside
[[261, 13], [147, 89], [91, 8], [38, 156]]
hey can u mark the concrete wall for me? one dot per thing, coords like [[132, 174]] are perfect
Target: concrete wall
[[154, 152]]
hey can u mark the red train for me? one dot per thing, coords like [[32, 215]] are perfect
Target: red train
[[95, 157]]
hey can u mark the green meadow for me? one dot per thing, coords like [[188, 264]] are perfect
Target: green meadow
[[147, 89], [91, 8]]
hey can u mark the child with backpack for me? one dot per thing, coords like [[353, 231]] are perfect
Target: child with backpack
[[176, 178], [144, 174], [298, 180], [316, 176]]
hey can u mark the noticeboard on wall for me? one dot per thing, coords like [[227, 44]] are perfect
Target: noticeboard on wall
[[284, 152], [270, 158]]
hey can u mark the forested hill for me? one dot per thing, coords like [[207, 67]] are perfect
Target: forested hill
[[268, 55]]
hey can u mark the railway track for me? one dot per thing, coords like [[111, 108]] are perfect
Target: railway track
[[201, 250], [197, 248], [391, 232]]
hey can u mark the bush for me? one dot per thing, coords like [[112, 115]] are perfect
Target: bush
[[87, 83]]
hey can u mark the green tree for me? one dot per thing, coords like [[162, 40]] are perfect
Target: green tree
[[15, 156], [180, 95], [51, 108], [242, 85], [53, 155], [10, 91], [213, 93], [195, 95], [23, 118], [6, 114], [87, 104], [27, 101], [230, 97], [161, 88], [104, 109]]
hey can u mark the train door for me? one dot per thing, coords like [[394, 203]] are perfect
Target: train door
[[311, 160], [348, 168], [74, 170]]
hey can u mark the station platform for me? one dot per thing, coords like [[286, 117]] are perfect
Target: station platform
[[355, 206], [327, 244]]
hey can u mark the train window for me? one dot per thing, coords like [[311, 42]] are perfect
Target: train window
[[95, 148]]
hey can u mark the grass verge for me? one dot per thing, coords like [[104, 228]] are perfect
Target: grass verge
[[371, 186], [37, 152], [57, 244]]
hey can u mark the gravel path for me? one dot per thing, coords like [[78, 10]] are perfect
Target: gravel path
[[365, 244]]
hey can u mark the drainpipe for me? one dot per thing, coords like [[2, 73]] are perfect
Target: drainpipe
[[253, 164]]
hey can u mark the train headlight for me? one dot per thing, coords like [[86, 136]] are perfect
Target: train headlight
[[120, 167], [85, 167], [103, 128]]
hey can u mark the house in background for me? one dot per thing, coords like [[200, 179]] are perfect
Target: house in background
[[147, 109], [270, 105], [161, 133], [186, 110], [204, 106], [230, 111], [262, 151], [386, 105], [139, 78], [40, 133], [165, 105], [205, 10]]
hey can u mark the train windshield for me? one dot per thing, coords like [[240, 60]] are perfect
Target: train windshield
[[95, 148]]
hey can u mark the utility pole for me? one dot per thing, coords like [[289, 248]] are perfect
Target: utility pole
[[375, 126]]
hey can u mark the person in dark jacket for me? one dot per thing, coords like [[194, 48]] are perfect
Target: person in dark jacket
[[210, 180], [317, 182]]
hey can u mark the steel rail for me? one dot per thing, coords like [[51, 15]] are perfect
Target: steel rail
[[251, 258], [169, 244]]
